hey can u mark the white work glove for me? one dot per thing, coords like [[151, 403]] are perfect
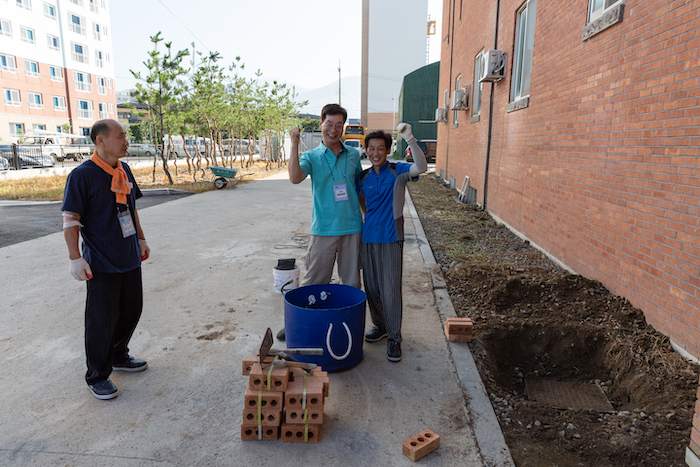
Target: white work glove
[[145, 250], [80, 269], [405, 130]]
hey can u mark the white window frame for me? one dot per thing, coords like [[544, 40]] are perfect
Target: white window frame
[[522, 57], [26, 4], [111, 108], [53, 42], [84, 84], [27, 34], [50, 11], [5, 27], [479, 63], [93, 6], [109, 83], [98, 58], [28, 71], [36, 101], [81, 57], [16, 129], [14, 97], [96, 31], [458, 86], [78, 27], [59, 103], [10, 63], [101, 88], [86, 114], [58, 76], [102, 106], [77, 2], [597, 8]]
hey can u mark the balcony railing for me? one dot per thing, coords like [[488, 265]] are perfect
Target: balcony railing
[[101, 90], [82, 58], [75, 27], [86, 114], [83, 86], [33, 105]]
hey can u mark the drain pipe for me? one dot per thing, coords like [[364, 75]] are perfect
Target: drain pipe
[[449, 86], [488, 140]]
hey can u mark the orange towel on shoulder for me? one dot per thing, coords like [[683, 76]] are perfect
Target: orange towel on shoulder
[[121, 185]]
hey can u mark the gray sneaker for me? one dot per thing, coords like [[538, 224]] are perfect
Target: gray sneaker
[[104, 390], [131, 365], [393, 351], [376, 334]]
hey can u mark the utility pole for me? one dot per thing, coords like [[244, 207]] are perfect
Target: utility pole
[[339, 83]]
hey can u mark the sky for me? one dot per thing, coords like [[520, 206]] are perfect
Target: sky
[[300, 43]]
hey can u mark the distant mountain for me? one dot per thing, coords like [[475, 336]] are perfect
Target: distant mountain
[[350, 98]]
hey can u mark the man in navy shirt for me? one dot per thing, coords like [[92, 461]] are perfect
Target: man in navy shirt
[[99, 203], [382, 188]]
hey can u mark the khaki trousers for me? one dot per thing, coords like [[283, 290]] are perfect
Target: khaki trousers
[[322, 255]]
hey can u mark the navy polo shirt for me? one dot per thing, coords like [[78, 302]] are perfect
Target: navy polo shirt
[[381, 200], [88, 193]]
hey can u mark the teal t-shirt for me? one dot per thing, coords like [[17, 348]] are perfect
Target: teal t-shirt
[[328, 172]]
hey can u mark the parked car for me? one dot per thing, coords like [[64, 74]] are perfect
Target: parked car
[[138, 149], [25, 159], [429, 148], [4, 164], [355, 143]]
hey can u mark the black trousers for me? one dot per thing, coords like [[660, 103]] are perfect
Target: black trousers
[[112, 311]]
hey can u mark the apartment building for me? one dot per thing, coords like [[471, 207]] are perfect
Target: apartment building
[[56, 67]]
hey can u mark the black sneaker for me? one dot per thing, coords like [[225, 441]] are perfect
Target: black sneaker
[[393, 351], [132, 365], [376, 334], [280, 335], [104, 390]]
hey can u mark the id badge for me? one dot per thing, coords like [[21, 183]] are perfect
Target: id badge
[[126, 223], [341, 191]]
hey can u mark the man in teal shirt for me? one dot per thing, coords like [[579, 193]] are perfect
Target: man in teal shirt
[[336, 223]]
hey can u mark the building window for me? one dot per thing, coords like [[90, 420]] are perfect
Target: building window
[[39, 126], [27, 34], [101, 88], [597, 8], [8, 63], [77, 23], [77, 2], [82, 81], [85, 130], [25, 4], [16, 129], [53, 42], [479, 62], [85, 109], [93, 6], [59, 103], [5, 28], [103, 110], [111, 108], [98, 58], [96, 31], [31, 68], [56, 73], [12, 97], [524, 42], [109, 83], [49, 11], [35, 100], [79, 53]]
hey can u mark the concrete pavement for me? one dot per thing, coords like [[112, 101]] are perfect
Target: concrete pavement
[[209, 297]]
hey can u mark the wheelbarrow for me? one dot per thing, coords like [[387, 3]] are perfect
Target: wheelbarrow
[[221, 176]]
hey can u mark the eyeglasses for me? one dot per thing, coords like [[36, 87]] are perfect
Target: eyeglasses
[[329, 125]]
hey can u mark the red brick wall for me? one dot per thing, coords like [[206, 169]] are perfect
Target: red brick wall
[[601, 169]]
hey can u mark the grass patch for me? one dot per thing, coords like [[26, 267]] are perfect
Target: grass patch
[[51, 188]]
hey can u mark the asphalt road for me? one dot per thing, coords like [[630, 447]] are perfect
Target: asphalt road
[[27, 220]]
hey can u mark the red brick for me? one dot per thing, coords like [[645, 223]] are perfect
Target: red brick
[[275, 380], [250, 432], [297, 433], [269, 399], [293, 397], [314, 377], [421, 445], [249, 361], [296, 415], [269, 417]]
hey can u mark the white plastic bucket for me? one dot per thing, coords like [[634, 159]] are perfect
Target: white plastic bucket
[[287, 278]]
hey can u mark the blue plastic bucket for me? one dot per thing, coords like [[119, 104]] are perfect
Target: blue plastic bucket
[[328, 316]]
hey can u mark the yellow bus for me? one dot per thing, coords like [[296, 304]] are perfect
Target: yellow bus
[[354, 132]]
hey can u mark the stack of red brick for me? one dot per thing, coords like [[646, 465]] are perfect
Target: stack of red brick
[[286, 401], [459, 329]]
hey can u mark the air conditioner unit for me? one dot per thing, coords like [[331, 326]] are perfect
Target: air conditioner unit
[[440, 115], [459, 100], [494, 66]]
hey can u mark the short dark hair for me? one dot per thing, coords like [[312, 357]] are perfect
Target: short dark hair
[[379, 134], [101, 127], [333, 109]]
